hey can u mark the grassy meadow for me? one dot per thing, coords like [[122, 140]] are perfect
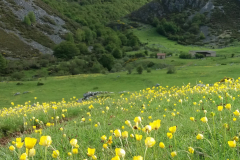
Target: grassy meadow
[[148, 34], [56, 88], [185, 122], [177, 120]]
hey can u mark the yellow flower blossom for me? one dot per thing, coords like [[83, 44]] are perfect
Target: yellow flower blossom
[[204, 119], [150, 142], [138, 137], [191, 150], [173, 129], [45, 141], [91, 152], [232, 144], [161, 145], [169, 135], [173, 154], [137, 158], [199, 136], [228, 106]]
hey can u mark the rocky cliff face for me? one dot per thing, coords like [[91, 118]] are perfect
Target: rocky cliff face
[[160, 8], [39, 37]]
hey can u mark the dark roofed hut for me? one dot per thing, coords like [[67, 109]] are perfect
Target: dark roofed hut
[[205, 53]]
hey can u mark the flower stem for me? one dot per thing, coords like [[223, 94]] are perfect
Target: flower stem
[[45, 158], [210, 130], [145, 153], [121, 142]]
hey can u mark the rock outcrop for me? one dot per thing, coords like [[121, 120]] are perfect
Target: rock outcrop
[[161, 8]]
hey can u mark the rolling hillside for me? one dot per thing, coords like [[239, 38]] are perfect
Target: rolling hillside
[[203, 22]]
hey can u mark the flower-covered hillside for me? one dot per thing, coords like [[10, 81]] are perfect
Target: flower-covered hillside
[[199, 122]]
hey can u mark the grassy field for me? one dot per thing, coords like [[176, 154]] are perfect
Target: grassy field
[[56, 88], [148, 34], [177, 120], [154, 123]]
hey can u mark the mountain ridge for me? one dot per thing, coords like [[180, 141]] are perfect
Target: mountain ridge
[[202, 22]]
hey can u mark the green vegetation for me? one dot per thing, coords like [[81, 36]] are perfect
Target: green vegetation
[[149, 36], [197, 121], [139, 69], [3, 63], [66, 50], [27, 20], [55, 88], [179, 28], [30, 19]]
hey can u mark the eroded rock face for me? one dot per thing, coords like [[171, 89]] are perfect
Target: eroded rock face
[[179, 5], [23, 8], [28, 6], [160, 8]]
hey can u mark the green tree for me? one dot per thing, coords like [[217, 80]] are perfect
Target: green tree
[[88, 35], [146, 52], [129, 68], [96, 68], [3, 63], [70, 38], [107, 61], [123, 39], [110, 47], [139, 69], [80, 35], [117, 53], [160, 30], [113, 39], [202, 36], [32, 17], [155, 22], [66, 50], [98, 48], [83, 48], [27, 20]]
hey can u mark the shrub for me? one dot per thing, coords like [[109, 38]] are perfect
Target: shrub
[[18, 75], [138, 55], [146, 52], [3, 63], [150, 64], [96, 68], [117, 53], [185, 56], [129, 68], [44, 62], [139, 69], [32, 17], [199, 55], [202, 36], [27, 20], [148, 70], [117, 67], [153, 55], [66, 50], [171, 70], [107, 60], [40, 84]]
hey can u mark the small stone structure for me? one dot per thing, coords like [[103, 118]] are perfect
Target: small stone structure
[[161, 55], [205, 53]]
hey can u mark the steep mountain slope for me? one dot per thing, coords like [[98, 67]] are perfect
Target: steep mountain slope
[[55, 22], [40, 36], [201, 22], [162, 9]]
